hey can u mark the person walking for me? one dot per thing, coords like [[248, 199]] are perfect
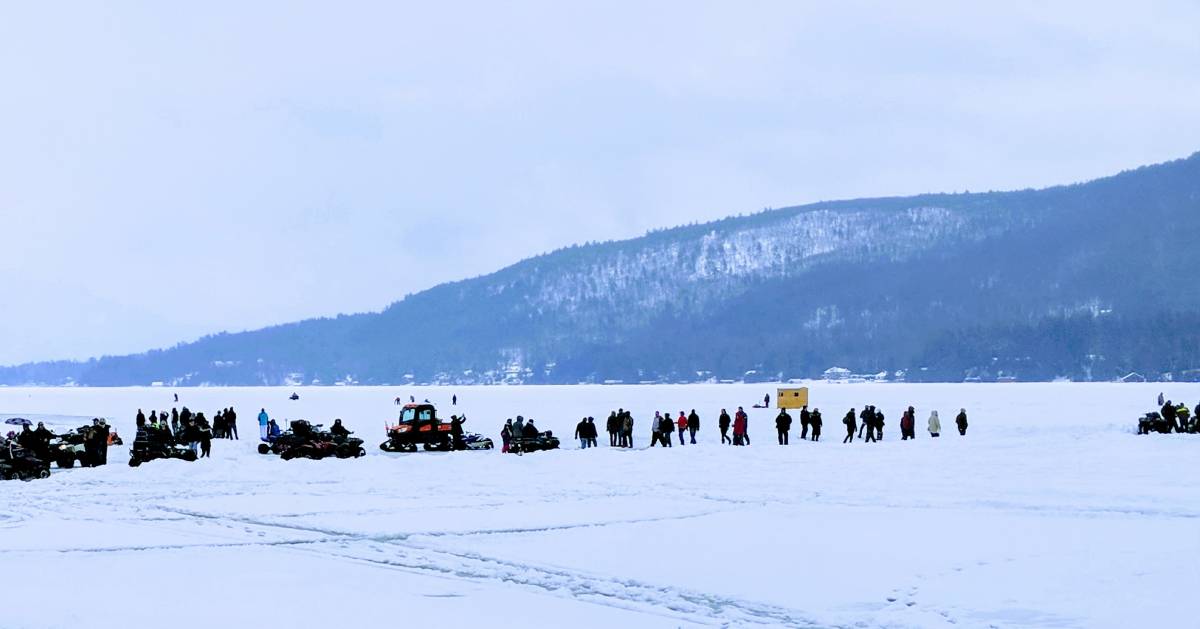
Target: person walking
[[263, 420], [815, 420], [783, 423], [849, 420], [681, 424], [723, 425], [868, 421], [740, 426], [805, 420], [961, 421], [693, 424], [592, 432], [935, 424], [581, 434]]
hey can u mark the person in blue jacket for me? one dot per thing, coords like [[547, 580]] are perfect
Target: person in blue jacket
[[263, 420]]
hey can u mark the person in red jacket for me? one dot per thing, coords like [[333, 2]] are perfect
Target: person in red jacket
[[740, 426], [681, 423]]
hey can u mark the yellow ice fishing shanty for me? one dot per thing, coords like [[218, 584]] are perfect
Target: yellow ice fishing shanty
[[796, 397]]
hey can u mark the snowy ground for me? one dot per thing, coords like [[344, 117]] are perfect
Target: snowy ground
[[1051, 512]]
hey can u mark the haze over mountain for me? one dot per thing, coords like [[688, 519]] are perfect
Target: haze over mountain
[[1085, 281], [1081, 281]]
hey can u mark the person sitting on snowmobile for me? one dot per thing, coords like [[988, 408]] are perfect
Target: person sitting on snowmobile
[[338, 430], [529, 431]]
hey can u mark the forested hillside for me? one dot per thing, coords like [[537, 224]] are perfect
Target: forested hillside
[[1087, 281]]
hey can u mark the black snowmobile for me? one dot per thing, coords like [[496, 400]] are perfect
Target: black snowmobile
[[543, 441], [150, 444], [16, 462]]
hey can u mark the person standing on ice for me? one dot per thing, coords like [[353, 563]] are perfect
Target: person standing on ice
[[815, 420], [610, 426], [581, 433], [935, 424], [723, 424], [783, 423], [506, 435], [655, 429], [681, 423], [666, 428], [961, 421], [263, 420], [174, 420], [850, 426], [868, 422], [805, 420], [627, 430], [863, 422], [741, 426], [767, 401], [908, 423], [140, 420], [454, 400], [878, 424], [693, 424], [519, 427], [1160, 398]]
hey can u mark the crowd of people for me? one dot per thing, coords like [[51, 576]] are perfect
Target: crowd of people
[[36, 441], [187, 428], [1173, 418], [665, 428]]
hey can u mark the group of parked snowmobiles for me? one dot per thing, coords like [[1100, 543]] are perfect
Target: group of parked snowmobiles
[[419, 426], [26, 454], [154, 443], [304, 440]]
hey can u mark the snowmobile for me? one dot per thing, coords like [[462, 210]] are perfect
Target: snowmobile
[[1153, 422], [151, 445], [17, 463], [543, 441], [299, 432], [418, 425], [474, 441]]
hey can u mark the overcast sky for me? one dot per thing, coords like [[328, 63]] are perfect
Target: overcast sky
[[174, 169]]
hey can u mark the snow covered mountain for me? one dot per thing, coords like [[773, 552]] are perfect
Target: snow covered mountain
[[1088, 281]]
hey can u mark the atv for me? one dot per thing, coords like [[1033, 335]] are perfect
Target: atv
[[68, 449], [18, 463], [543, 441], [305, 440], [149, 445]]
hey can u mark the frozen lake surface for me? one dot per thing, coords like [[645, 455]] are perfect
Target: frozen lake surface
[[1050, 513]]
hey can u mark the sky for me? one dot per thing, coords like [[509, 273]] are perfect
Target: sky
[[171, 170]]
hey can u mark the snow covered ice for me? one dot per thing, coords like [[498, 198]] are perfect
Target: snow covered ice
[[1051, 512]]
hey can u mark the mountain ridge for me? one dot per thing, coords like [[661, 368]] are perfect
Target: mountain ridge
[[1004, 265]]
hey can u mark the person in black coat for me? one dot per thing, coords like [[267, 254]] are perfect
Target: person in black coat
[[231, 422], [805, 420], [1168, 413], [868, 422], [338, 430], [849, 420], [613, 428], [865, 420], [878, 424], [961, 421], [456, 432], [783, 423], [693, 424], [723, 424], [581, 434], [592, 431], [816, 422], [529, 431]]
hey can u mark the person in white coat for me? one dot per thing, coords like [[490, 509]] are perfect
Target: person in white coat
[[935, 424]]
